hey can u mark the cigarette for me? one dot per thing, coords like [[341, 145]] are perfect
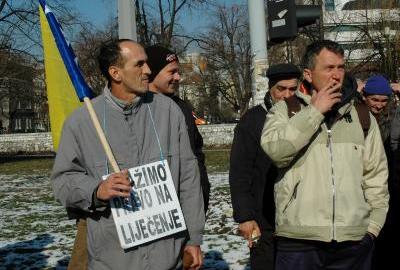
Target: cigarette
[[255, 237]]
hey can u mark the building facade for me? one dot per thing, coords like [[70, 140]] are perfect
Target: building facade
[[23, 105]]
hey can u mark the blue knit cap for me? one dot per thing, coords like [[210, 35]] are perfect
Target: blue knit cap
[[377, 85]]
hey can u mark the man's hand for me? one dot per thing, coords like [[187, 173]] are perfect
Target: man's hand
[[371, 235], [360, 86], [395, 88], [325, 98], [192, 258], [116, 185], [248, 230]]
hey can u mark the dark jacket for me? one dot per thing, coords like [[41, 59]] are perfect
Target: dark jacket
[[394, 159], [251, 173], [389, 126], [196, 143]]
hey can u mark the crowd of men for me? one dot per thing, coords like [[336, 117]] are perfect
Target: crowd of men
[[314, 173]]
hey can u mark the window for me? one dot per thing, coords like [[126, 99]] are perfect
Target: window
[[343, 28], [39, 126], [17, 124], [330, 5], [28, 124]]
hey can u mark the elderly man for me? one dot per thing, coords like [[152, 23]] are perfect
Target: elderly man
[[331, 195], [141, 128], [252, 174]]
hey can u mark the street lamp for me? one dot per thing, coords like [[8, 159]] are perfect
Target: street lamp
[[127, 19]]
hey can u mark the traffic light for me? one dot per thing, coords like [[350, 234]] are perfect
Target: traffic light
[[285, 17]]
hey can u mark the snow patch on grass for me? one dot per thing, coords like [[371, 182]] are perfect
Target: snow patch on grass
[[35, 232]]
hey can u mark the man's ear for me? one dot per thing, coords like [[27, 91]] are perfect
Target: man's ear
[[307, 75], [114, 72]]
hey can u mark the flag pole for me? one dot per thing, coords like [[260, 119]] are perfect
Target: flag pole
[[102, 137], [127, 29]]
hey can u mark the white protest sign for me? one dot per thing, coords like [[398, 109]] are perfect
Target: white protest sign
[[153, 210]]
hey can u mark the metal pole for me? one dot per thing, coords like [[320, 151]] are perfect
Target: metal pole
[[258, 40], [127, 19]]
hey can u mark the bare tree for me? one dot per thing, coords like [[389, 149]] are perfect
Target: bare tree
[[21, 65], [382, 37], [226, 48], [157, 21], [20, 38], [19, 24], [374, 37], [86, 47]]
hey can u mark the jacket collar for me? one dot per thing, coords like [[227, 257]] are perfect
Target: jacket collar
[[120, 105], [268, 102]]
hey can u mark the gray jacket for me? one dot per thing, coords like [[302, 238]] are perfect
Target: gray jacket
[[81, 162]]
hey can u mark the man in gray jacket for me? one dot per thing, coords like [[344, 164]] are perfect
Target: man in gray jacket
[[141, 127]]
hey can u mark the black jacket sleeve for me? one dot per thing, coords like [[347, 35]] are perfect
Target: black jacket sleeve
[[242, 160], [196, 143], [251, 173]]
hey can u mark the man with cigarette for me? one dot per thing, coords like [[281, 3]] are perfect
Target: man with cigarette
[[331, 195]]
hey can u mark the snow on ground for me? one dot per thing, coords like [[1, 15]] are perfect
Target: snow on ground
[[36, 234]]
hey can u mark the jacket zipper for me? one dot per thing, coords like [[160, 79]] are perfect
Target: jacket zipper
[[292, 198], [329, 145]]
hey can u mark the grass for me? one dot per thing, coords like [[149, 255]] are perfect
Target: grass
[[27, 166], [217, 160]]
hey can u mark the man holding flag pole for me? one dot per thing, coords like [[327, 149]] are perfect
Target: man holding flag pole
[[140, 129]]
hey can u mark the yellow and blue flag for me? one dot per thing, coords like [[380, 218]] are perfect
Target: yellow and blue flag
[[65, 84]]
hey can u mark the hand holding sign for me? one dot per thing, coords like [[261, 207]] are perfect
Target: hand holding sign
[[116, 185], [150, 211]]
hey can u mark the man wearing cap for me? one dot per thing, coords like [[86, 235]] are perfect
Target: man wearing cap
[[252, 174], [378, 96], [164, 79], [377, 92]]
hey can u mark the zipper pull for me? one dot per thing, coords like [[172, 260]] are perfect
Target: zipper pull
[[329, 137]]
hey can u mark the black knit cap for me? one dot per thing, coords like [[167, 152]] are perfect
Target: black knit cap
[[279, 72], [157, 58]]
